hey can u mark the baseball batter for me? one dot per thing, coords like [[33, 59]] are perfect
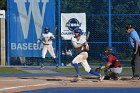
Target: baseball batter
[[81, 46], [46, 39]]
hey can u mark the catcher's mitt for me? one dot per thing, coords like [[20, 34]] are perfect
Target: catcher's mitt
[[98, 69]]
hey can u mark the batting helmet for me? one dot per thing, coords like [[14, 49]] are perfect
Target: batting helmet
[[78, 31]]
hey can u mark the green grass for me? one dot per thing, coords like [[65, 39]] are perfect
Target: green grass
[[127, 70], [71, 70], [11, 70], [68, 70]]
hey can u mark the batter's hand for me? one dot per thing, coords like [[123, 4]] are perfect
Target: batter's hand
[[84, 44], [86, 47]]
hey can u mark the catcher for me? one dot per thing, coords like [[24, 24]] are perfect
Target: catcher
[[81, 46], [113, 66]]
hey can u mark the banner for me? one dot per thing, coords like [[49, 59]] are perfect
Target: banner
[[71, 21], [26, 22]]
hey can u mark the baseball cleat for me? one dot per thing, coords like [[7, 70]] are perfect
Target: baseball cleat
[[135, 78], [101, 78], [79, 77], [57, 67], [42, 67], [118, 78], [76, 79]]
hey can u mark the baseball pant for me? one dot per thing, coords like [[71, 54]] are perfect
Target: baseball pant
[[116, 70], [48, 48], [82, 58], [135, 64], [113, 73]]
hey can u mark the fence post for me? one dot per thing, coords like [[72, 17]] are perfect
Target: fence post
[[2, 42], [59, 33], [110, 24]]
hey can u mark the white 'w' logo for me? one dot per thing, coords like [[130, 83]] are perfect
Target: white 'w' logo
[[35, 11]]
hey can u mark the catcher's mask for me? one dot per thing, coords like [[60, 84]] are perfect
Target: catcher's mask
[[108, 50]]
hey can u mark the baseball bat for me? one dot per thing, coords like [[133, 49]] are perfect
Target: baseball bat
[[87, 35]]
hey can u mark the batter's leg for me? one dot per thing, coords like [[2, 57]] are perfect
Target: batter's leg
[[77, 69], [89, 70], [75, 62]]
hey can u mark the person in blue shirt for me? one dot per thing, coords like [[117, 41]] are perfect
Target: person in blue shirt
[[134, 42]]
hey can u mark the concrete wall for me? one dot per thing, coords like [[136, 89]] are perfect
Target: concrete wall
[[2, 42]]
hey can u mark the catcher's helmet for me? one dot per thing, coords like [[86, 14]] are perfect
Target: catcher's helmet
[[108, 50], [78, 31]]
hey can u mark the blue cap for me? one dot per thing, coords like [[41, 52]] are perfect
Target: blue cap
[[47, 28]]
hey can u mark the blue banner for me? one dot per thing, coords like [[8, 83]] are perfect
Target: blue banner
[[26, 22]]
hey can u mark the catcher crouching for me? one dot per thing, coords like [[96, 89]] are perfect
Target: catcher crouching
[[113, 67]]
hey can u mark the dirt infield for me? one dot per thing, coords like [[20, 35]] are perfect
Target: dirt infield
[[18, 84]]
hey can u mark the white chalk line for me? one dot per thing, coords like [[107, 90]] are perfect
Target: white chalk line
[[14, 80], [16, 87]]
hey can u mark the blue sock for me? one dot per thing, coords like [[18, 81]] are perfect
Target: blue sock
[[94, 73], [55, 61], [42, 60], [77, 69]]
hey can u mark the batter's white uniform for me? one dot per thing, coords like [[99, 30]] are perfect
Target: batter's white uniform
[[47, 44], [82, 55]]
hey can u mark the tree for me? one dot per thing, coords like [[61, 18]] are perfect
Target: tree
[[2, 4]]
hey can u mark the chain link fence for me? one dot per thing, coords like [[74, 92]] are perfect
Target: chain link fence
[[100, 14], [106, 21]]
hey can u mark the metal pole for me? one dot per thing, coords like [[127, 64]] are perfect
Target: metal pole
[[8, 31], [109, 27], [59, 33]]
